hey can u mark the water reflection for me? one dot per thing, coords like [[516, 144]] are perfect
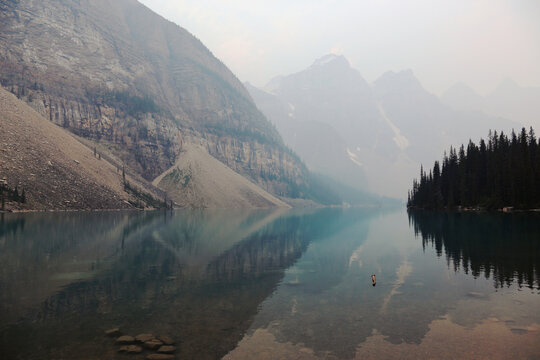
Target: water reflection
[[504, 247], [327, 306], [216, 280], [198, 276]]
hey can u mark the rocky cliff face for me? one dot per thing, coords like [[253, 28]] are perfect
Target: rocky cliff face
[[117, 73], [43, 167]]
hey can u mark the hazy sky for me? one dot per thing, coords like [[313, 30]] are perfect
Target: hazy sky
[[479, 42]]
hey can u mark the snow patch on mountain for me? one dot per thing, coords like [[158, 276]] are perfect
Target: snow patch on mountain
[[401, 141], [353, 157]]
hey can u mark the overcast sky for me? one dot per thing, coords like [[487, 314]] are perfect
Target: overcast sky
[[479, 42]]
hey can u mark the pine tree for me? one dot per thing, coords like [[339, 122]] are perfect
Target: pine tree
[[503, 172]]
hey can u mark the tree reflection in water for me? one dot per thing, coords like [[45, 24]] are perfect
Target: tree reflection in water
[[502, 246]]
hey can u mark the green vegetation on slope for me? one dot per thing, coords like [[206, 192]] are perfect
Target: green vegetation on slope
[[132, 105]]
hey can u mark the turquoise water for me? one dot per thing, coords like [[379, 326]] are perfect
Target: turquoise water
[[271, 284]]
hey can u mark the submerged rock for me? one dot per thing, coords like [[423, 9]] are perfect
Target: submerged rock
[[153, 344], [113, 332], [130, 349], [126, 339], [166, 340], [166, 349], [142, 338]]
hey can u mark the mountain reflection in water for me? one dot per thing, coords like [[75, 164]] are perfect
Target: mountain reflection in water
[[196, 275], [215, 280]]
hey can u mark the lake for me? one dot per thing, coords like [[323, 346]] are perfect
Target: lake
[[272, 284]]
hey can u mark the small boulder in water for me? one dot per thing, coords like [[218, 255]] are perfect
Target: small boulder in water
[[142, 338], [153, 344], [166, 349], [126, 339], [130, 349]]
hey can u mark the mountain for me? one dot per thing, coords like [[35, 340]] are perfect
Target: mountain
[[462, 97], [508, 100], [318, 144], [140, 87], [521, 104], [369, 136], [54, 170], [316, 110], [332, 92], [421, 117], [199, 180]]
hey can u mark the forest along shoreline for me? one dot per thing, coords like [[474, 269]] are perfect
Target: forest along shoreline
[[506, 209], [502, 174]]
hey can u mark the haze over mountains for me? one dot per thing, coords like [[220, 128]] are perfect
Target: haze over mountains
[[366, 135], [141, 89], [154, 100], [508, 99]]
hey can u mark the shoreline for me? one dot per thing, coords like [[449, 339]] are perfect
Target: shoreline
[[298, 206], [506, 209]]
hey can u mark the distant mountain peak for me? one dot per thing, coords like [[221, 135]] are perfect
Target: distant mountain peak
[[462, 97], [331, 59], [462, 89], [273, 84], [401, 80], [506, 84], [406, 75]]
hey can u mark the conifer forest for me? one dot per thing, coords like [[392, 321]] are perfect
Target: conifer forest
[[504, 172]]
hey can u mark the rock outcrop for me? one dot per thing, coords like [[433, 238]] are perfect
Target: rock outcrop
[[138, 85], [199, 180], [53, 168]]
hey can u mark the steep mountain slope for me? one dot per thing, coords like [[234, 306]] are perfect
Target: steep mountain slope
[[386, 129], [425, 125], [52, 167], [332, 92], [199, 180], [318, 144], [424, 120], [117, 73]]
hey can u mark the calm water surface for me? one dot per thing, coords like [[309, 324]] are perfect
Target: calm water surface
[[272, 284]]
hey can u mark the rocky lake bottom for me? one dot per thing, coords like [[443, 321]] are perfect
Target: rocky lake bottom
[[270, 284]]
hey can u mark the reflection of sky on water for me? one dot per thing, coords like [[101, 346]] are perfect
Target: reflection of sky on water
[[295, 283], [332, 309]]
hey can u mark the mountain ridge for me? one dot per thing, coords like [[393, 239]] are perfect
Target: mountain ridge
[[386, 128], [508, 99], [139, 87]]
